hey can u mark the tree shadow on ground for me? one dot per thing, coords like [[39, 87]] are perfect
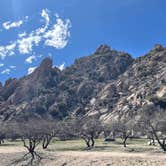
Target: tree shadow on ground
[[28, 160]]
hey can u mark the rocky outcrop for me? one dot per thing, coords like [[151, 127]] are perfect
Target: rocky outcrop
[[103, 49], [144, 80], [108, 83]]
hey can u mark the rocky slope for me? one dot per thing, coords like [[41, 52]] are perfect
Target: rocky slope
[[143, 82], [107, 83]]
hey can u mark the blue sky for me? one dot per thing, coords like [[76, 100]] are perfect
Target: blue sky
[[68, 29]]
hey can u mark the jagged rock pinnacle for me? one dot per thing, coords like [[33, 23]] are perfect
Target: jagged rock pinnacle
[[102, 49], [46, 63], [158, 47]]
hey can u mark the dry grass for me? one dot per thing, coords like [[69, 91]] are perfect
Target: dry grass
[[73, 153]]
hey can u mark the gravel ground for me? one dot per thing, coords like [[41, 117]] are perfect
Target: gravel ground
[[85, 158]]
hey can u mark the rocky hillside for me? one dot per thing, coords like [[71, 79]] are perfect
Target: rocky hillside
[[107, 83], [143, 82]]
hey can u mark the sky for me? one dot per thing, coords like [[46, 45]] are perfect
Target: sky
[[65, 30]]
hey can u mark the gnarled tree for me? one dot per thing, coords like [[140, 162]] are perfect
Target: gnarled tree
[[123, 128], [30, 133], [154, 121], [49, 130], [90, 128]]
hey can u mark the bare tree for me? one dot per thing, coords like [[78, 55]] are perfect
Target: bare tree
[[49, 130], [154, 121], [2, 133], [68, 128], [123, 128], [89, 129], [151, 137], [30, 133]]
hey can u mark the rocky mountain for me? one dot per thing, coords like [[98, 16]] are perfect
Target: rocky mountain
[[143, 82], [108, 83]]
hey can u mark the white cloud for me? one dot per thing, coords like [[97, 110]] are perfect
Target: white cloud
[[56, 15], [2, 52], [11, 46], [8, 25], [40, 56], [1, 64], [56, 36], [26, 18], [6, 71], [13, 67], [61, 67], [7, 50], [22, 34], [10, 49], [45, 15], [31, 70], [25, 44], [30, 59]]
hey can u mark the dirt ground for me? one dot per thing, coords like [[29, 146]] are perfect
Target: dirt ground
[[86, 158]]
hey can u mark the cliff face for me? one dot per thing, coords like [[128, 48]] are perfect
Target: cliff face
[[107, 83], [143, 82]]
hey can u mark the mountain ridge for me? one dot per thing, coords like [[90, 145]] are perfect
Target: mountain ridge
[[106, 83]]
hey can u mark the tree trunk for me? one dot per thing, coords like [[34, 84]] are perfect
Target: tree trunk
[[153, 141], [87, 141], [125, 140], [93, 142], [46, 141], [88, 144], [162, 145]]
